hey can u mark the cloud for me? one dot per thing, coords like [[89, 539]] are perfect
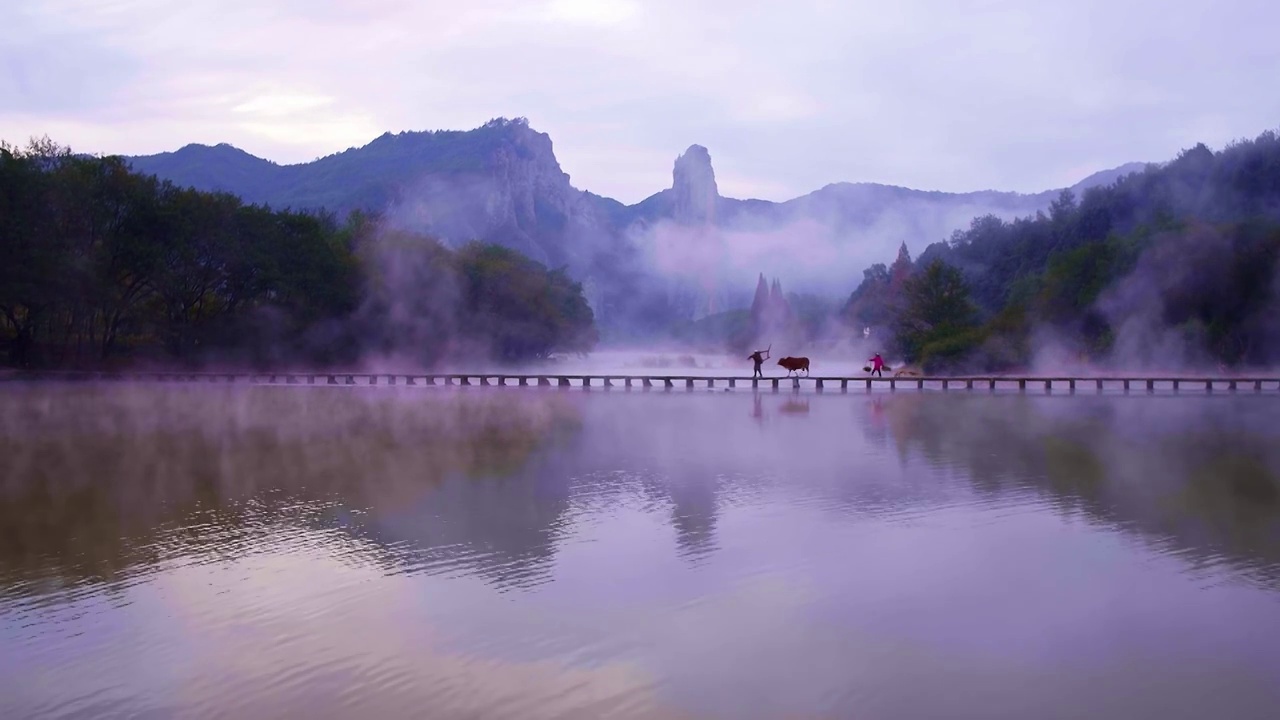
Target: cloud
[[592, 12], [791, 96]]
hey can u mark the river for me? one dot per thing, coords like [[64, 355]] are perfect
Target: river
[[255, 552]]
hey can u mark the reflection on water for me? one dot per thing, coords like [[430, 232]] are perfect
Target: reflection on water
[[339, 552]]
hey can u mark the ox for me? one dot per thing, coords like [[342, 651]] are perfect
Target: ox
[[794, 364]]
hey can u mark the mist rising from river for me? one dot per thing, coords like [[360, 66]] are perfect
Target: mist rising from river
[[250, 551]]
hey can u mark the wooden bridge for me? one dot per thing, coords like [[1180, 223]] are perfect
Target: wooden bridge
[[1022, 384]]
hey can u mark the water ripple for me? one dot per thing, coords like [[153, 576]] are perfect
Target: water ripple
[[260, 554]]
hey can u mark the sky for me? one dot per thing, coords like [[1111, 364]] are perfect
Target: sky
[[788, 96]]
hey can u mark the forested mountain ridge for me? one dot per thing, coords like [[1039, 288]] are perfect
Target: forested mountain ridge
[[101, 266], [1176, 266], [499, 182], [680, 254], [399, 168]]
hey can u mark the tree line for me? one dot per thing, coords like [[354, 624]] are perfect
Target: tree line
[[1177, 265], [102, 267]]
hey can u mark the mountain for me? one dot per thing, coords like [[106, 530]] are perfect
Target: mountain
[[683, 252], [503, 179], [499, 182]]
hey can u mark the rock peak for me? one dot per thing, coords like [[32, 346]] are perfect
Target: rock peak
[[694, 186]]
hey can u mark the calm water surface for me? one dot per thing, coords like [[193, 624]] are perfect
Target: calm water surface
[[373, 552]]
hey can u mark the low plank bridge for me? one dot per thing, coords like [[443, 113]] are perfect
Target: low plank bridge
[[1022, 384]]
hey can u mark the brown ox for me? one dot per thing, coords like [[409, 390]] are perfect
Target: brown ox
[[793, 364]]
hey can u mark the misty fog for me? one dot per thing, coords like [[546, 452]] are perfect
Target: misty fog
[[638, 555]]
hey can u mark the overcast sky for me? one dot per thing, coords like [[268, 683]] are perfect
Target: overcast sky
[[788, 96]]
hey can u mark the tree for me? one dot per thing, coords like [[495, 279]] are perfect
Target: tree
[[518, 308], [1194, 237], [937, 314], [870, 305]]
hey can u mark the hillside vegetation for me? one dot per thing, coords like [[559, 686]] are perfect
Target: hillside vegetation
[[1177, 265], [101, 266]]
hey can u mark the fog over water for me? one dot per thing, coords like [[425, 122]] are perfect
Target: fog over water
[[235, 551]]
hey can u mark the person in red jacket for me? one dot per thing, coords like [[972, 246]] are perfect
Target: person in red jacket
[[877, 365]]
